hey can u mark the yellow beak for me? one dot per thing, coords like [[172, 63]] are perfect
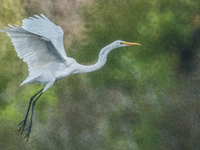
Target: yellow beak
[[130, 43]]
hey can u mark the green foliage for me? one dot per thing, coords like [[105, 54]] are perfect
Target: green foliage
[[149, 71], [11, 11], [161, 27]]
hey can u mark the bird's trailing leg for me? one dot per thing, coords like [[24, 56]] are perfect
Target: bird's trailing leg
[[23, 123], [28, 129]]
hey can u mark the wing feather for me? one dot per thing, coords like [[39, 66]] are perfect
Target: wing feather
[[32, 48], [42, 26]]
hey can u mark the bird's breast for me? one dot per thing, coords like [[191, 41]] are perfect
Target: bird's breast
[[62, 71]]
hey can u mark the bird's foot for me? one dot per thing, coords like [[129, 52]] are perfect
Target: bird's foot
[[23, 124], [28, 131]]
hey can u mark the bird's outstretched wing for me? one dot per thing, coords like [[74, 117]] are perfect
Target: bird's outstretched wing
[[42, 26], [35, 44]]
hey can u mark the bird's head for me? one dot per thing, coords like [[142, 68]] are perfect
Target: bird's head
[[120, 43]]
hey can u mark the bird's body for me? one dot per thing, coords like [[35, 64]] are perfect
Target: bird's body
[[51, 72], [39, 42]]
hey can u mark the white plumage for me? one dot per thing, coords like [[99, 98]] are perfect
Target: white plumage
[[39, 42]]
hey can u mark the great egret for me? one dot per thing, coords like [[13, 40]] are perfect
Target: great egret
[[39, 42]]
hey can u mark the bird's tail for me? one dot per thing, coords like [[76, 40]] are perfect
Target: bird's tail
[[29, 79]]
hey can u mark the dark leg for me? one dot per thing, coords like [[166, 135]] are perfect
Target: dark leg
[[30, 125], [23, 123]]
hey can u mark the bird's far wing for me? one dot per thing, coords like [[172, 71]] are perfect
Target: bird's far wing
[[42, 26], [33, 49]]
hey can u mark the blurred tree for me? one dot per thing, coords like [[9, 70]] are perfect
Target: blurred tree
[[11, 11], [145, 76]]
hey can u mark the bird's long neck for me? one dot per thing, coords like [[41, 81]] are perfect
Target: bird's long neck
[[101, 61]]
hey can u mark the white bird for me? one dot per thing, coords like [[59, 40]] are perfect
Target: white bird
[[39, 42]]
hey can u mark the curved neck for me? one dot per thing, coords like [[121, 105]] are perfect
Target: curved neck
[[101, 61]]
